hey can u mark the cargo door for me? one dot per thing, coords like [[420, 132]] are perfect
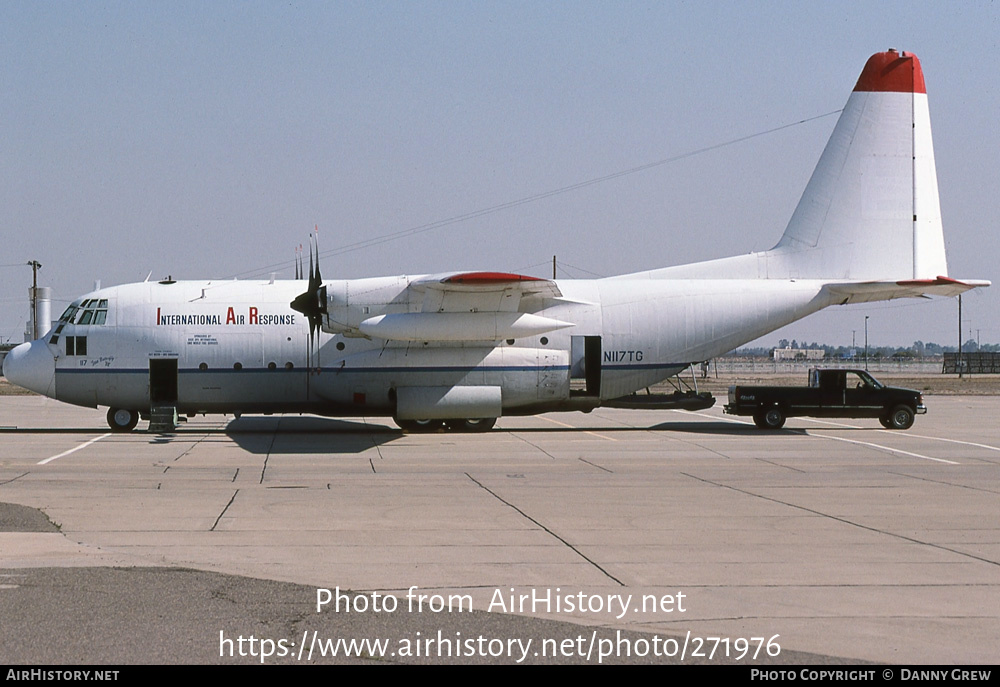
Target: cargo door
[[585, 366], [163, 381]]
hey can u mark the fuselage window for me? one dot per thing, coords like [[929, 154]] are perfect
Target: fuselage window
[[86, 317], [76, 345]]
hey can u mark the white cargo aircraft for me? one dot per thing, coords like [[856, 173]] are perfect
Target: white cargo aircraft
[[462, 349]]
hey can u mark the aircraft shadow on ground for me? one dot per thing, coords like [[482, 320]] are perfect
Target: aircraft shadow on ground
[[726, 428], [280, 435], [695, 427]]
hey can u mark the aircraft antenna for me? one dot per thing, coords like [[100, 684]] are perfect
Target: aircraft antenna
[[482, 212]]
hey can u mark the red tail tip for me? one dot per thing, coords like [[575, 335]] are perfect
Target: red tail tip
[[897, 72]]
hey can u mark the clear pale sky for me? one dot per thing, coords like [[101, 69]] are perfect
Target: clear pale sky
[[206, 139]]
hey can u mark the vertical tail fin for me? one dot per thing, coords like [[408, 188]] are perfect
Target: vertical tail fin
[[870, 212], [871, 209]]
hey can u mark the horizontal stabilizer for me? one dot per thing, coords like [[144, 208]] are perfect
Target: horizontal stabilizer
[[868, 291]]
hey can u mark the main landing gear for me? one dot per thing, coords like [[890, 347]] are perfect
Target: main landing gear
[[483, 424]]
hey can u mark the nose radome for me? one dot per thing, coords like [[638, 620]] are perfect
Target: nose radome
[[31, 366]]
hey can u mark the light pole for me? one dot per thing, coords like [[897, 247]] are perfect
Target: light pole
[[959, 336], [866, 342]]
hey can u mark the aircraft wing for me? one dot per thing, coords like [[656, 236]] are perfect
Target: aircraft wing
[[461, 291], [481, 291], [865, 292], [471, 306]]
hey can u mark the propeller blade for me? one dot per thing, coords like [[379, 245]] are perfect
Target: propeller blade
[[319, 279], [311, 302]]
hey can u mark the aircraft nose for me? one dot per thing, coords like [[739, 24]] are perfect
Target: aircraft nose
[[32, 366]]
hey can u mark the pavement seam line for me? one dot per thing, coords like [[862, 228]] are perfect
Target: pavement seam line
[[844, 520], [274, 437], [216, 523], [544, 528]]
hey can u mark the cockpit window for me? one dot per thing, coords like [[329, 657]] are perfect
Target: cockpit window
[[91, 311], [67, 316]]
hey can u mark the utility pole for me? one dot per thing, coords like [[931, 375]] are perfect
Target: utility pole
[[553, 267], [866, 342], [35, 266]]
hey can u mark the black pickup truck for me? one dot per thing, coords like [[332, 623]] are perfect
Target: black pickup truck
[[831, 393]]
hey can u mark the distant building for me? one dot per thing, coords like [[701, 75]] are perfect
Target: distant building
[[790, 353]]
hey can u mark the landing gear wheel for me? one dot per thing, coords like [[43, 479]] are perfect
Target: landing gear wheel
[[121, 420], [772, 418], [482, 424], [418, 426], [901, 417]]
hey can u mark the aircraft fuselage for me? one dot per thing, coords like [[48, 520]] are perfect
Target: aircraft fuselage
[[238, 347]]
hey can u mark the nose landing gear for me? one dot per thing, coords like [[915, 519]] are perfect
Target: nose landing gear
[[122, 420]]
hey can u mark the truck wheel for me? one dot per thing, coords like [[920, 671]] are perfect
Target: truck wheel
[[884, 421], [772, 418], [901, 417]]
